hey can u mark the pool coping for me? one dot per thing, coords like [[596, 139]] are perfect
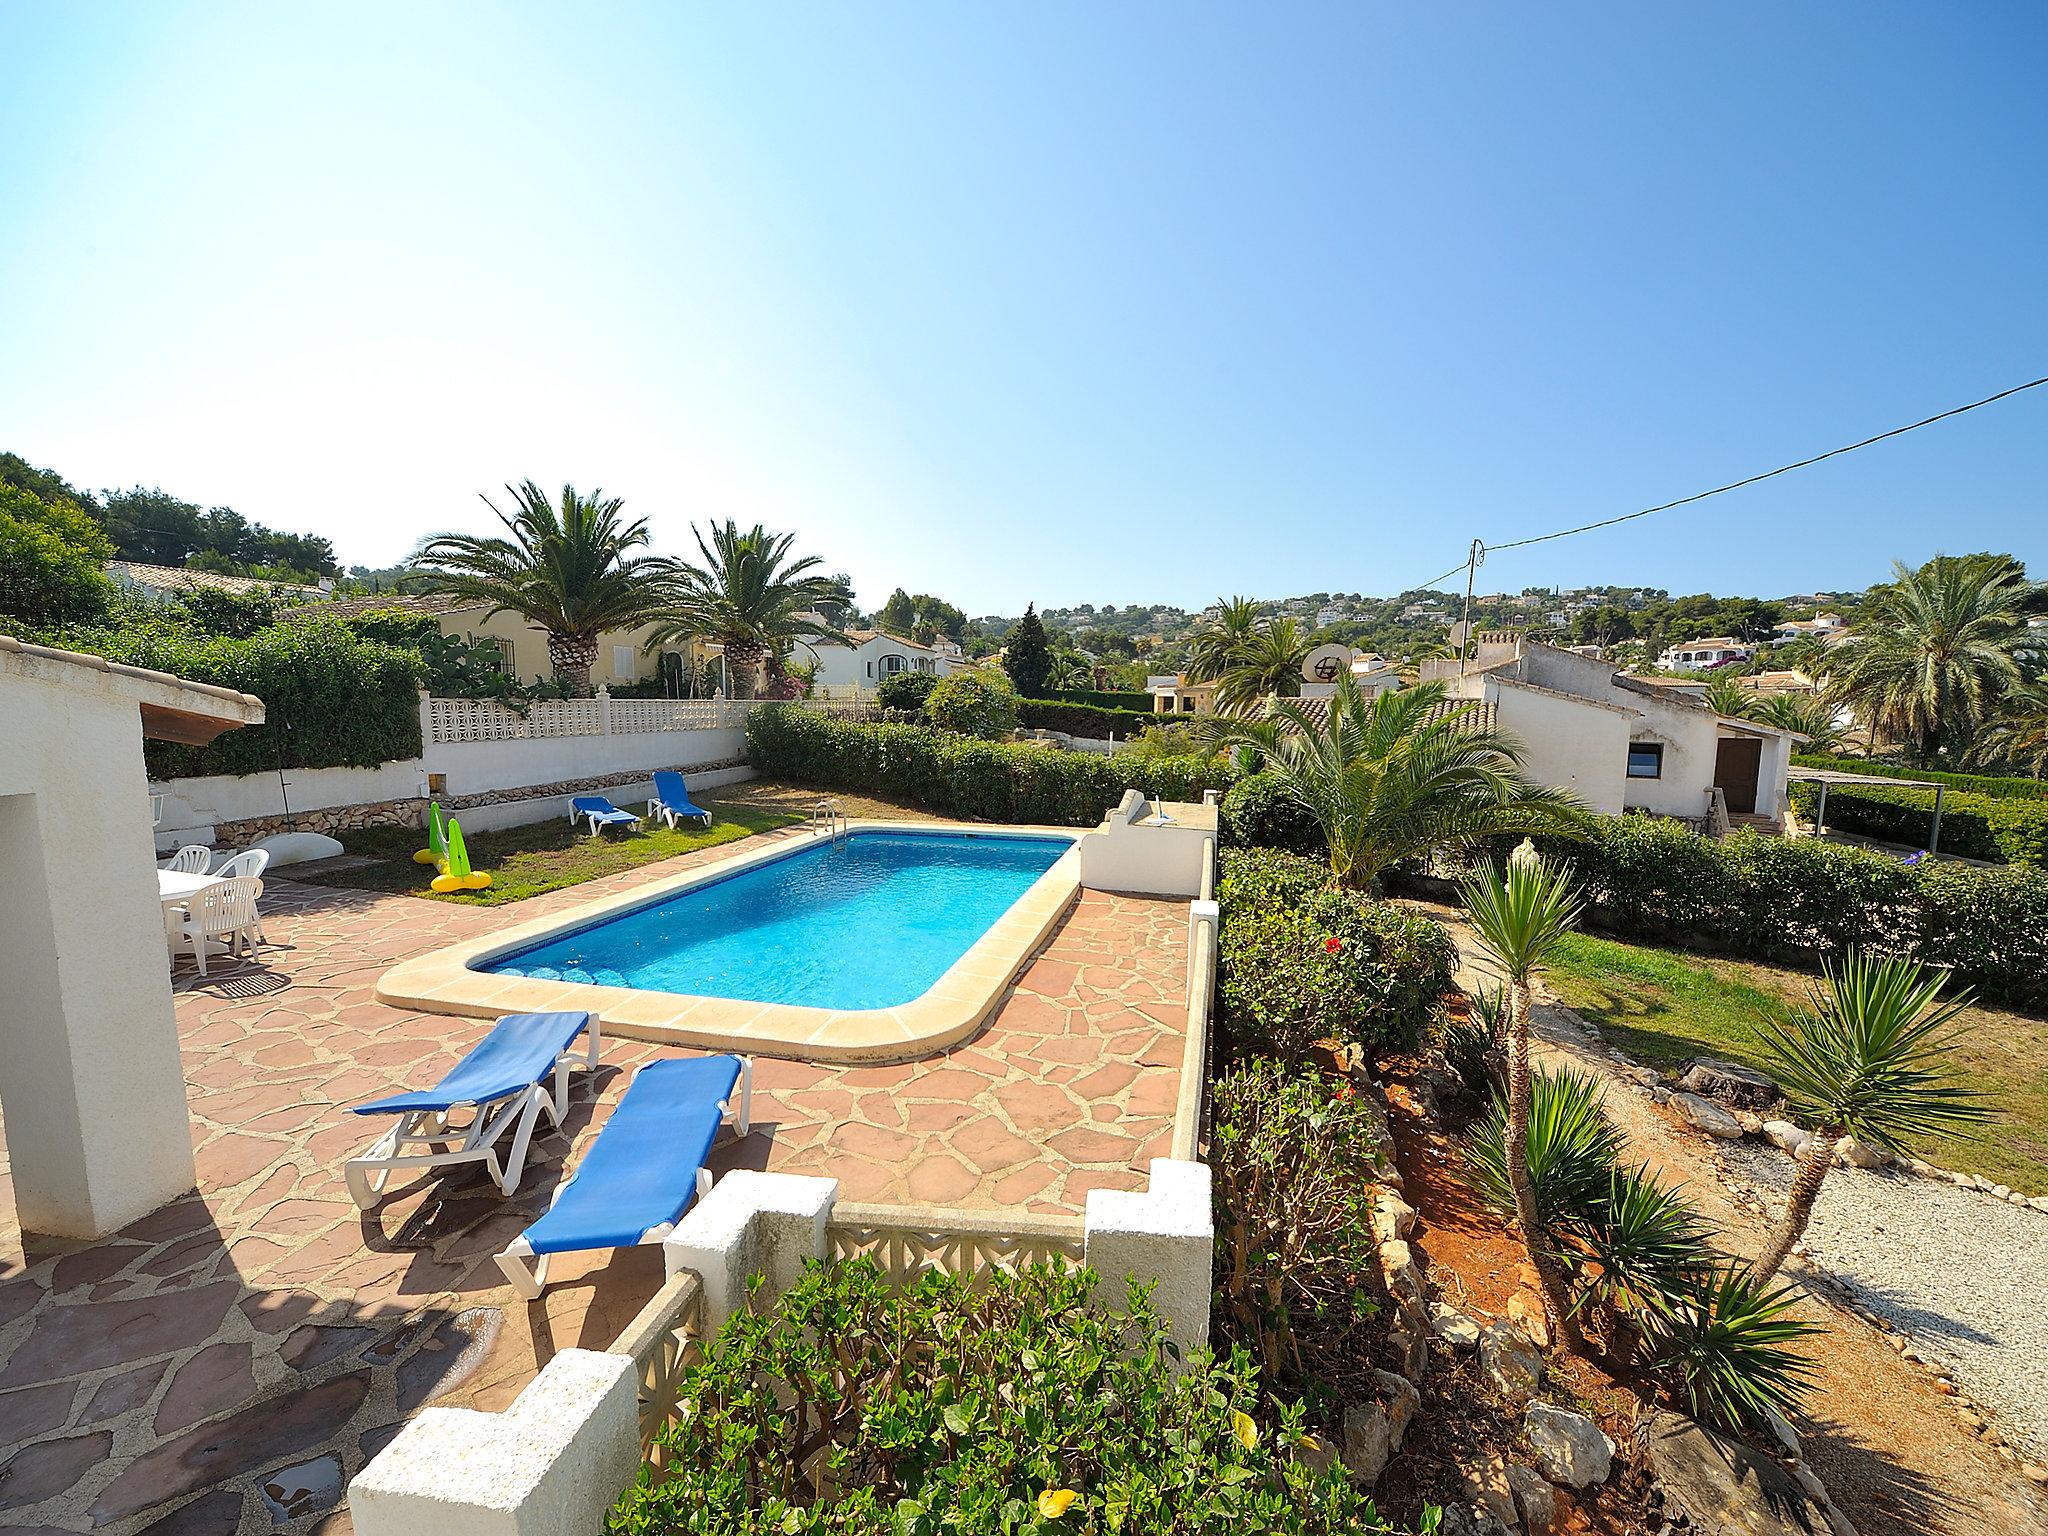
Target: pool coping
[[947, 1012]]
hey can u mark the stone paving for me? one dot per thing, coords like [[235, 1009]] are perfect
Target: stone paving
[[225, 1364]]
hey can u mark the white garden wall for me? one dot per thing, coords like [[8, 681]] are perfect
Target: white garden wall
[[193, 808]]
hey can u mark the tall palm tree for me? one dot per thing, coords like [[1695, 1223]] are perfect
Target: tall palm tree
[[1391, 777], [1938, 653], [1865, 1062], [1069, 670], [1266, 665], [569, 569], [1520, 918], [750, 596], [1212, 651], [2018, 735]]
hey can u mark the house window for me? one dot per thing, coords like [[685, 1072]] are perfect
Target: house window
[[1646, 759], [622, 662]]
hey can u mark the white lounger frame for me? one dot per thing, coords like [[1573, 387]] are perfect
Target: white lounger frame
[[447, 1146], [529, 1283]]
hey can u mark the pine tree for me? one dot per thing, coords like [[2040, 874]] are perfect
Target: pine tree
[[1028, 658]]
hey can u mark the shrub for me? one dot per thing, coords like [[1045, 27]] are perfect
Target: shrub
[[958, 776], [907, 691], [1102, 698], [977, 702], [1083, 719], [1472, 1053], [51, 559], [331, 698], [1975, 783], [1798, 901], [1292, 1167], [1260, 813], [945, 1407], [1721, 1341], [2003, 829], [1300, 960]]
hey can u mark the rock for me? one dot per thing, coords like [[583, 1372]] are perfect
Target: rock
[[1367, 1441], [1392, 1217], [1535, 1499], [1511, 1364], [1788, 1437], [1487, 1486], [1410, 1349], [1461, 1521], [2035, 1472], [1527, 1312], [299, 848], [1570, 1448], [1787, 1137], [1404, 1279], [1739, 1086], [1453, 1327], [1752, 1124], [1706, 1115], [1649, 1077], [1661, 1095], [2015, 1198], [1725, 1488], [1851, 1153], [2000, 1191], [1402, 1404], [2039, 1202]]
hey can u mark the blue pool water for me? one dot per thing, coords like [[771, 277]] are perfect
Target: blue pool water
[[868, 924]]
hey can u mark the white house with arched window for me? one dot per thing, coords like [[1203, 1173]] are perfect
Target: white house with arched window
[[868, 658]]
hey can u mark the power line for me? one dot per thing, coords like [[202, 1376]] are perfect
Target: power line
[[1736, 485]]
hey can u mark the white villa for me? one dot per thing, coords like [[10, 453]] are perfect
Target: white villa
[[1822, 626], [1621, 743], [1697, 655], [868, 657]]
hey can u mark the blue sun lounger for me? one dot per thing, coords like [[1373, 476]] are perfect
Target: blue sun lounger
[[672, 802], [602, 813], [644, 1169], [512, 1076]]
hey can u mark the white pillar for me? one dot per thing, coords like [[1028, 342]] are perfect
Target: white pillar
[[90, 1082], [1165, 1235], [553, 1464], [750, 1224]]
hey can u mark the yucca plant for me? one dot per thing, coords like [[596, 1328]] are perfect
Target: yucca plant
[[1865, 1062], [1572, 1152], [1723, 1341], [1641, 1244], [1519, 919]]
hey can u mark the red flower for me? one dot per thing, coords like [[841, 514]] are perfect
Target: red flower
[[1345, 1091], [1332, 944]]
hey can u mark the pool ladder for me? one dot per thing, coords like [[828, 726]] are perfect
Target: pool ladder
[[829, 816]]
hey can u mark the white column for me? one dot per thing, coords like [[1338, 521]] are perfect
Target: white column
[[1165, 1235], [553, 1464], [750, 1224]]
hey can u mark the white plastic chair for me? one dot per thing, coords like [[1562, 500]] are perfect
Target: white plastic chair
[[224, 910], [250, 865], [192, 859]]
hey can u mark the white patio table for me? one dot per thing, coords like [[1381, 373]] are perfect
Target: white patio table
[[174, 889]]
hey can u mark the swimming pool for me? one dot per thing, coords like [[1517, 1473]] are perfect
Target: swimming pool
[[870, 922]]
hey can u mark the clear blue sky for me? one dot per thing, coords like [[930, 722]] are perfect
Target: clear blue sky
[[1066, 303]]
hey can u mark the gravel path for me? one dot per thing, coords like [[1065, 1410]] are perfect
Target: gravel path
[[1965, 1275]]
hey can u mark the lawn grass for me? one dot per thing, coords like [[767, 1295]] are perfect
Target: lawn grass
[[1665, 1005], [543, 856]]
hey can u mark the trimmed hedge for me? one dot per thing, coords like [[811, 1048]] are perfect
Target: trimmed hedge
[[1975, 783], [332, 699], [959, 776], [1300, 960], [1103, 698], [1259, 813], [1083, 719], [1798, 901], [1999, 829]]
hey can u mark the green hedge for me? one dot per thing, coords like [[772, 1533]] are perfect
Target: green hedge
[[1083, 719], [2000, 829], [1975, 783], [1798, 901], [959, 776], [1300, 960], [1259, 813], [332, 699], [1103, 698]]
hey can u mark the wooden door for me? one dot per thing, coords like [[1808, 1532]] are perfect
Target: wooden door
[[1737, 762]]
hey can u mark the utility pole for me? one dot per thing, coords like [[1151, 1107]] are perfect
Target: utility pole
[[1465, 625]]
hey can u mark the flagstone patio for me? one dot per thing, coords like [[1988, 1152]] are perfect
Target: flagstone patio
[[225, 1364]]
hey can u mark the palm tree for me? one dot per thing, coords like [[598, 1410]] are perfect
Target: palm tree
[[2018, 735], [1726, 696], [1069, 670], [570, 570], [1213, 650], [750, 597], [1267, 665], [1808, 714], [1391, 777], [1865, 1062], [1519, 920], [1938, 653]]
